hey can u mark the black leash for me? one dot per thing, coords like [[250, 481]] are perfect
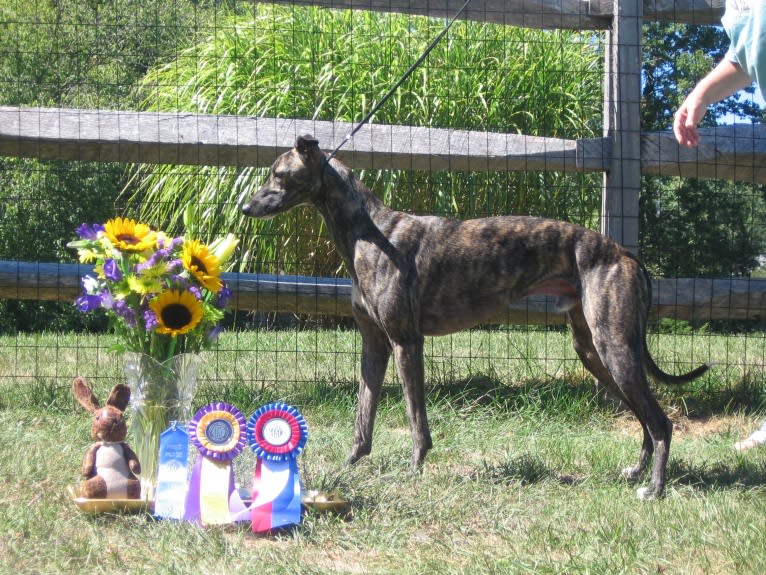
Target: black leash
[[401, 81]]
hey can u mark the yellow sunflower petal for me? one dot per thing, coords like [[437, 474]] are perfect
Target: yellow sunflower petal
[[202, 264], [178, 312], [128, 236]]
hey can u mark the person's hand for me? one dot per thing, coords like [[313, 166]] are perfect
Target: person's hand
[[724, 80], [686, 120]]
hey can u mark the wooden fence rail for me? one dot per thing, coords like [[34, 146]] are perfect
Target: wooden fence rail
[[735, 152], [690, 299], [572, 14]]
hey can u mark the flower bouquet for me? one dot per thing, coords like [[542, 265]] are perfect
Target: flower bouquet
[[164, 298]]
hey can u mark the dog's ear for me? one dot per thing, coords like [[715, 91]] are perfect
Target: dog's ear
[[306, 144]]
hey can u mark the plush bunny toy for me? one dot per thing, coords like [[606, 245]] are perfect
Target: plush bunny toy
[[110, 465]]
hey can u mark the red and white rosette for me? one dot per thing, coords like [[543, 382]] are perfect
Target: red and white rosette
[[277, 434]]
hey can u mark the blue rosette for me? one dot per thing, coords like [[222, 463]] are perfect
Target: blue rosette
[[277, 434]]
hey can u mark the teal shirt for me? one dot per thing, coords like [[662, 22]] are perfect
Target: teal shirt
[[745, 24]]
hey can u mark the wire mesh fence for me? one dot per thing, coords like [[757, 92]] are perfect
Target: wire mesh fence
[[536, 80]]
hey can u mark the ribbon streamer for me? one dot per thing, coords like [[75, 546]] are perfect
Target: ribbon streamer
[[218, 432], [172, 473], [277, 434]]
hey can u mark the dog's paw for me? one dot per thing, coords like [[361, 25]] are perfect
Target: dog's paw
[[631, 473], [645, 494]]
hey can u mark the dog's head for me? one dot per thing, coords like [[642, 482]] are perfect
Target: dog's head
[[295, 178]]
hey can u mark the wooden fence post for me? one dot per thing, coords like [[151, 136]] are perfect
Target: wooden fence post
[[622, 124]]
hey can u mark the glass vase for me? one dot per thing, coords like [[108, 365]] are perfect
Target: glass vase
[[160, 393]]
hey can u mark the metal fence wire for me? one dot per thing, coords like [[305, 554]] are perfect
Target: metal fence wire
[[171, 112]]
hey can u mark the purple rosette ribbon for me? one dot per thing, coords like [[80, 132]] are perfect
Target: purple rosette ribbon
[[218, 432], [277, 434]]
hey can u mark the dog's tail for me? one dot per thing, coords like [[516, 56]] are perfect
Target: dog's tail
[[669, 379], [652, 368]]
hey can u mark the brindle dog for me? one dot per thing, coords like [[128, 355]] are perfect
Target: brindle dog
[[422, 275]]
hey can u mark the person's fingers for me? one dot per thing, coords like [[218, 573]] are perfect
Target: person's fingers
[[685, 128]]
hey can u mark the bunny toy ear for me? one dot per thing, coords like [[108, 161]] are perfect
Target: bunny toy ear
[[84, 395], [120, 396]]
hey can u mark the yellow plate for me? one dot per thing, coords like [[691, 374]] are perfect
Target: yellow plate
[[324, 501], [109, 505]]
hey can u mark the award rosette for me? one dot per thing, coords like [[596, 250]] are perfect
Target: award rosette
[[218, 432], [277, 434]]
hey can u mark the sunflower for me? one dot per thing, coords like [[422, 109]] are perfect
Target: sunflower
[[178, 312], [129, 236], [202, 264]]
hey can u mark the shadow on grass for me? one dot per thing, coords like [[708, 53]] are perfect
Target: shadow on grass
[[740, 472], [525, 469], [568, 397]]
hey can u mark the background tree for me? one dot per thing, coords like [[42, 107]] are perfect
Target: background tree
[[690, 227]]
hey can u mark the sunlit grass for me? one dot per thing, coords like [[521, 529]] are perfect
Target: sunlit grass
[[523, 478]]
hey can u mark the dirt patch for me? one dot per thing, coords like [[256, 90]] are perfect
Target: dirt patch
[[692, 427]]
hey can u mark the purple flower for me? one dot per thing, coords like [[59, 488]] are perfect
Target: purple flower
[[123, 310], [112, 270], [150, 319], [89, 232], [88, 302], [212, 335], [107, 299], [224, 295], [195, 291]]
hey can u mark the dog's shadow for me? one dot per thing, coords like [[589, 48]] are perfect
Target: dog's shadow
[[554, 394], [524, 469], [738, 472]]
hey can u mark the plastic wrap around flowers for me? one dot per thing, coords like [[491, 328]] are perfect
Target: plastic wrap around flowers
[[277, 432], [218, 431]]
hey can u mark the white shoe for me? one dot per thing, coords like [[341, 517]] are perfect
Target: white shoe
[[754, 440]]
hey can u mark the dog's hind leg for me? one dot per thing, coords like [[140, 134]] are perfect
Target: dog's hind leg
[[409, 363], [376, 352], [618, 345], [583, 345]]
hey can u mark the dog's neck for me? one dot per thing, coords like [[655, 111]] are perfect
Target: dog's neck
[[349, 209]]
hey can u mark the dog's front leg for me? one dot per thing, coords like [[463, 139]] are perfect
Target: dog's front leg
[[409, 363], [376, 352]]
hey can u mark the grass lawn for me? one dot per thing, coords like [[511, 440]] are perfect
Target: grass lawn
[[524, 476]]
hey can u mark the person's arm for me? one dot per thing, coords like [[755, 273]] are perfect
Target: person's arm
[[724, 80]]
